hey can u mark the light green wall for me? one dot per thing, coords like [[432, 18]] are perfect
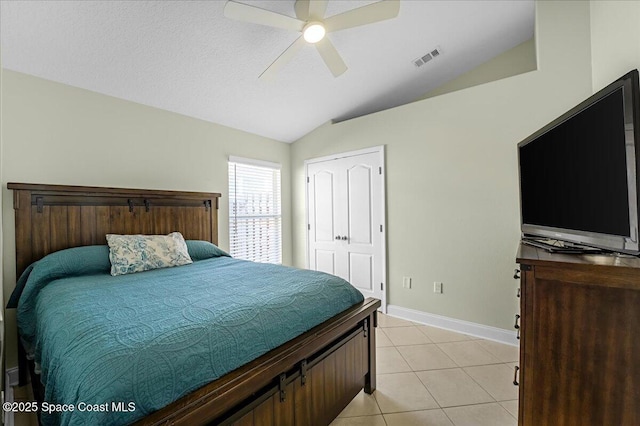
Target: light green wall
[[518, 60], [615, 40], [452, 179], [53, 133]]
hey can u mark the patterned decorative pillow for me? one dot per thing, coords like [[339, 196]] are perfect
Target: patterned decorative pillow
[[137, 253]]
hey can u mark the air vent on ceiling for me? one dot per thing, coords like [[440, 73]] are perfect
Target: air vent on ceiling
[[418, 62]]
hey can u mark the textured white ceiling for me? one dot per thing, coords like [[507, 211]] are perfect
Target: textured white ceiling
[[186, 57]]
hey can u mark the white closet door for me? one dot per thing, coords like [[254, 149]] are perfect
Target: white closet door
[[363, 223], [324, 219], [346, 217]]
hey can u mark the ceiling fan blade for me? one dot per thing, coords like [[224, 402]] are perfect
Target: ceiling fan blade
[[255, 15], [317, 8], [282, 60], [331, 57], [375, 12], [302, 9], [310, 10]]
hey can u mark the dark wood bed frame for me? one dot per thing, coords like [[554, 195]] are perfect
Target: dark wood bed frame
[[306, 381]]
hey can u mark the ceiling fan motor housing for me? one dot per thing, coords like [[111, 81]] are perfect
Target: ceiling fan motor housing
[[313, 32]]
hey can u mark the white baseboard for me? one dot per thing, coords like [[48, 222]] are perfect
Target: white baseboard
[[11, 379], [474, 329]]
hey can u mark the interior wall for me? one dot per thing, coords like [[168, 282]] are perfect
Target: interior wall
[[518, 60], [615, 40], [452, 177], [57, 134]]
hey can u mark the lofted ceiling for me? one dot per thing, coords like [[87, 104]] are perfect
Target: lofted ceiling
[[186, 57]]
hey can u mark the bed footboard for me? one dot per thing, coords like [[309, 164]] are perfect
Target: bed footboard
[[313, 393], [307, 381]]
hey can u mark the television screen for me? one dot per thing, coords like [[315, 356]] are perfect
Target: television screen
[[574, 176], [578, 174]]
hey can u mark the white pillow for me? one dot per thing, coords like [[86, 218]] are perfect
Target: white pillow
[[137, 253]]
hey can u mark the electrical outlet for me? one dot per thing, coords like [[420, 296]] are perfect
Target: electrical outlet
[[406, 282], [437, 287]]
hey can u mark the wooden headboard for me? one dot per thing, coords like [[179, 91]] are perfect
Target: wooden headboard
[[54, 217]]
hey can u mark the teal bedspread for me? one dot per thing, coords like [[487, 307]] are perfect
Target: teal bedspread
[[152, 337]]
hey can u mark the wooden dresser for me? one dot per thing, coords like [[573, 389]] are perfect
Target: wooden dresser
[[579, 339]]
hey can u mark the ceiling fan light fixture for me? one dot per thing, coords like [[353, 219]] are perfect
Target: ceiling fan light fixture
[[311, 23], [313, 32]]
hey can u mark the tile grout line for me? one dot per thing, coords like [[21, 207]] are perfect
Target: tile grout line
[[481, 348], [495, 401], [486, 390], [450, 419], [471, 405], [493, 353], [506, 409], [375, 398], [478, 383], [467, 374], [414, 373], [458, 366], [432, 409], [430, 342], [421, 382]]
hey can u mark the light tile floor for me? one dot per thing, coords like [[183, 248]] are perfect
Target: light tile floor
[[428, 376]]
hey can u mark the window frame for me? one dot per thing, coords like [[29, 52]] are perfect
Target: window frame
[[255, 221]]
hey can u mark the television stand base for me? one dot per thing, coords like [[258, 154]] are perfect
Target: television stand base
[[562, 247]]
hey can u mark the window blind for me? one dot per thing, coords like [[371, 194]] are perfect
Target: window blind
[[255, 215]]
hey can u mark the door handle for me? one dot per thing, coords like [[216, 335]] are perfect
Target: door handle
[[337, 237], [344, 238], [515, 375], [517, 324]]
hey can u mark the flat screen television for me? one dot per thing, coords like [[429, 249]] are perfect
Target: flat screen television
[[579, 174]]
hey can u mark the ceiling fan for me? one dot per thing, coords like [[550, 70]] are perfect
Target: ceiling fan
[[313, 25]]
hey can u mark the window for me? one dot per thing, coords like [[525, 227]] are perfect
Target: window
[[255, 216]]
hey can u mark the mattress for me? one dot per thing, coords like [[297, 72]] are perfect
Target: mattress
[[122, 347]]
